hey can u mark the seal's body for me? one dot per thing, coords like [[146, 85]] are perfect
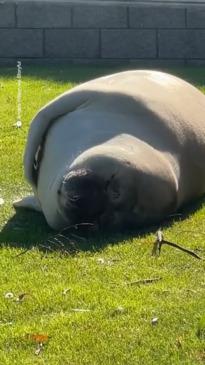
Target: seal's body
[[125, 149]]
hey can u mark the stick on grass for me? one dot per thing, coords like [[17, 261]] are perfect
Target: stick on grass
[[161, 241]]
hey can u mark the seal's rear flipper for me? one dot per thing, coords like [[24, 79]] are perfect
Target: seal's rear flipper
[[29, 202]]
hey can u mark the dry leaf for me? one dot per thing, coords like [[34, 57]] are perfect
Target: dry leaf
[[39, 338], [21, 297]]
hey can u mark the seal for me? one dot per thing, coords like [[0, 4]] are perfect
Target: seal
[[124, 150]]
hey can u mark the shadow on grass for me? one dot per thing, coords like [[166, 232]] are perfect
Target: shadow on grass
[[63, 73], [27, 229]]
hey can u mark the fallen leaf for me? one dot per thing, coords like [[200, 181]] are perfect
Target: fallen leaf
[[39, 338], [21, 297]]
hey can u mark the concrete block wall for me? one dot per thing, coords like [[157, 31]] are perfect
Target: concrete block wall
[[102, 32]]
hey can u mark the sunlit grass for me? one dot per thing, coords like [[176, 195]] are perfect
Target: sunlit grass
[[116, 327]]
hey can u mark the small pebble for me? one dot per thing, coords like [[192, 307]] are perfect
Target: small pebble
[[9, 295], [154, 321], [101, 260], [120, 309], [1, 201], [18, 124]]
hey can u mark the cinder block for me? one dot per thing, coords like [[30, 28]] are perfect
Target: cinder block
[[72, 43], [156, 17], [97, 16], [197, 62], [7, 15], [8, 62], [99, 61], [184, 43], [63, 61], [196, 17], [21, 43], [128, 43], [43, 14], [156, 63]]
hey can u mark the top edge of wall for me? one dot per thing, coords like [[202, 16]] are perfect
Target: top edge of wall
[[161, 2]]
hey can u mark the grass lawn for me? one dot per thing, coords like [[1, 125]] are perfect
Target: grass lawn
[[84, 307]]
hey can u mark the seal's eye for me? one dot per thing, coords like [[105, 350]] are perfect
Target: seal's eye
[[115, 193]]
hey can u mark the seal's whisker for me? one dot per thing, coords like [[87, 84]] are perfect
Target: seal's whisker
[[78, 237], [46, 247]]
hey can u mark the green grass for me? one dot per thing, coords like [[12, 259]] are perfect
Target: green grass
[[117, 329]]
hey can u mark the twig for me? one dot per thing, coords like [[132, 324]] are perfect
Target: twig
[[144, 281], [22, 253], [172, 244], [160, 241], [78, 237]]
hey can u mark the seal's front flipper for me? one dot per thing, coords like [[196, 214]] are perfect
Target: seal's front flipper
[[29, 202]]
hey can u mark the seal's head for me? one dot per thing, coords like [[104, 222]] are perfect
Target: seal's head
[[116, 194]]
